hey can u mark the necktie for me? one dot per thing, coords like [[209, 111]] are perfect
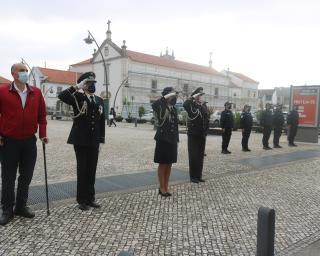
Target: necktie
[[91, 100]]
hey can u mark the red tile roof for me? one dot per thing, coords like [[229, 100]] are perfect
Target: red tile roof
[[243, 77], [4, 80], [88, 61], [170, 63], [60, 76]]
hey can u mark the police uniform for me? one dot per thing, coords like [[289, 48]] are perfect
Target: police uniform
[[87, 132], [293, 122], [226, 123], [167, 134], [278, 121], [266, 122], [246, 126], [198, 124]]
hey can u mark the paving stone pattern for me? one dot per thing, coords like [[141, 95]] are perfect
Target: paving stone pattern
[[218, 217]]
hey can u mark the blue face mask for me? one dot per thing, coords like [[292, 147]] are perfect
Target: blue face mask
[[23, 77], [91, 88]]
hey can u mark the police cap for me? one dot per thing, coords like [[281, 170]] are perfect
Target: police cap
[[88, 75], [198, 91]]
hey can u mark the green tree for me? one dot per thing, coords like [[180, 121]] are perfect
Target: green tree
[[141, 111]]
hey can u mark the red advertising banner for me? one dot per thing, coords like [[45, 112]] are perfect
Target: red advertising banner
[[306, 99]]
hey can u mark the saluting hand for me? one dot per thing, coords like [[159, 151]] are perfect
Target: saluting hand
[[82, 84]]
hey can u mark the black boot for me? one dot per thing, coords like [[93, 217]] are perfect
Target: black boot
[[6, 217], [24, 212]]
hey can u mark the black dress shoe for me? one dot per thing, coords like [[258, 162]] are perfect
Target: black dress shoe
[[83, 207], [201, 180], [24, 212], [267, 148], [168, 194], [6, 217], [194, 180], [224, 152], [277, 146], [94, 205], [292, 145], [228, 152]]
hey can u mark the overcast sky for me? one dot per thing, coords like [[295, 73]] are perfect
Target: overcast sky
[[275, 42]]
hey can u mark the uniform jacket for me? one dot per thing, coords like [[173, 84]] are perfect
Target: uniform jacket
[[17, 122], [198, 118], [226, 119], [278, 119], [293, 117], [166, 121], [266, 118], [246, 120], [88, 129]]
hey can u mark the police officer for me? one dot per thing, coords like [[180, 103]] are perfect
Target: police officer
[[198, 124], [87, 132], [293, 122], [167, 137], [246, 126], [278, 121], [226, 123], [266, 123]]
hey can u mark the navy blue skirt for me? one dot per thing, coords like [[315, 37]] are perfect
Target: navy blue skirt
[[165, 153]]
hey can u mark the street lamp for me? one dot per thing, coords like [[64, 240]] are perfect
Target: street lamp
[[89, 40], [125, 83]]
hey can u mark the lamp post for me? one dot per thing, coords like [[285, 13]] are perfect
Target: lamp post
[[124, 82], [89, 40]]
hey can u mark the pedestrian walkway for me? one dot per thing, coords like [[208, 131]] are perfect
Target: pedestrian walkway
[[66, 190]]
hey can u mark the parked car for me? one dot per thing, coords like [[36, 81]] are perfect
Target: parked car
[[214, 120], [148, 117]]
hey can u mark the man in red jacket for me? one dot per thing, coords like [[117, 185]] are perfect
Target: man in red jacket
[[22, 110]]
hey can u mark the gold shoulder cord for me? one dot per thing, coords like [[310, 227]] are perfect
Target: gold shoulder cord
[[84, 108]]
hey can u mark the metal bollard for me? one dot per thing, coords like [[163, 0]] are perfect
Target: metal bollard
[[135, 122], [266, 231]]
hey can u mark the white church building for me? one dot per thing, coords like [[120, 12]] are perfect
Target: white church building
[[136, 79]]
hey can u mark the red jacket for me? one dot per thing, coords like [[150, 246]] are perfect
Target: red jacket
[[22, 123]]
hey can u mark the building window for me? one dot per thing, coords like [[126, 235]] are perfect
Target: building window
[[59, 89], [268, 97], [248, 93], [154, 86], [216, 92], [234, 94]]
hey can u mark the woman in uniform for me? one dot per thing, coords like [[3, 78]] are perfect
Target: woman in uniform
[[167, 137]]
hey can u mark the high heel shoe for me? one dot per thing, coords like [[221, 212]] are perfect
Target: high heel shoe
[[163, 194]]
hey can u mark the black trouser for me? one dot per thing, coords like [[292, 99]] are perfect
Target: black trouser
[[266, 135], [196, 148], [276, 135], [111, 121], [292, 132], [22, 153], [0, 154], [245, 137], [87, 158], [226, 135]]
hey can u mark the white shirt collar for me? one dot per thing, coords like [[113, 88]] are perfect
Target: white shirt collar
[[18, 90], [88, 96]]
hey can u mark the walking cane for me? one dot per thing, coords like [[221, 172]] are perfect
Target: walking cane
[[46, 176]]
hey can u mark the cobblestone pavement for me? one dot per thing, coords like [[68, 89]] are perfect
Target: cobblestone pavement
[[129, 150], [214, 218]]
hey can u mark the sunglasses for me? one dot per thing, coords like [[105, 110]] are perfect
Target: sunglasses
[[23, 70]]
